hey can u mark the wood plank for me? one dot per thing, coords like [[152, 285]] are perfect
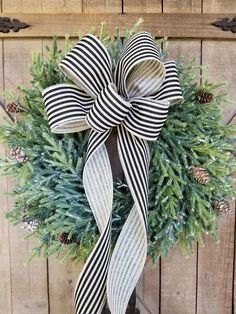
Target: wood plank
[[11, 6], [219, 59], [23, 6], [178, 283], [102, 6], [142, 6], [183, 6], [178, 274], [62, 280], [215, 273], [1, 70], [189, 49], [216, 267], [29, 284], [60, 6], [173, 25], [151, 287], [5, 266], [234, 286], [61, 277], [222, 6], [38, 6]]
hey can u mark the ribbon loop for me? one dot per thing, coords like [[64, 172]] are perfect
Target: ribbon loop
[[66, 106], [88, 65], [170, 89], [140, 71], [146, 118]]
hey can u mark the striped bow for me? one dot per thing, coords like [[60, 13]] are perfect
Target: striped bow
[[136, 101]]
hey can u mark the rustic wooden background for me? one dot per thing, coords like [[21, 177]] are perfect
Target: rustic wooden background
[[201, 284]]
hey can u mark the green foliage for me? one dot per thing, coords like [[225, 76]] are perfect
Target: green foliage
[[48, 187]]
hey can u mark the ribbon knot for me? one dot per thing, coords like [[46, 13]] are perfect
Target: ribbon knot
[[136, 101], [109, 109]]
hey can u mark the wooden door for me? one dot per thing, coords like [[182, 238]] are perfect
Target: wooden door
[[201, 284]]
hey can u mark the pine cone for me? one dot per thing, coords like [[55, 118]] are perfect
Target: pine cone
[[30, 225], [18, 154], [65, 240], [12, 107], [204, 97], [222, 206], [200, 174]]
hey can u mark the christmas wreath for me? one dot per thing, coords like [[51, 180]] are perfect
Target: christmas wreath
[[190, 181]]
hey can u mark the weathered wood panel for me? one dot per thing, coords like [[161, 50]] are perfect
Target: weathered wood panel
[[142, 6], [219, 6], [220, 62], [28, 284], [61, 276], [5, 265], [62, 280], [215, 271], [102, 6], [38, 6], [184, 6], [178, 283], [178, 289], [159, 24], [60, 6]]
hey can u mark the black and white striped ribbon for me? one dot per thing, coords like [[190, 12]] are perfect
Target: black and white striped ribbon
[[136, 101]]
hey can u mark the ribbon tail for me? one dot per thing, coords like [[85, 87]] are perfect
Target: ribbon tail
[[129, 256], [90, 291]]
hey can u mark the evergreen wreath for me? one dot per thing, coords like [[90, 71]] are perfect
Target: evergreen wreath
[[190, 179]]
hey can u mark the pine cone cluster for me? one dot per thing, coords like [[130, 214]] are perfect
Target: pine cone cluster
[[30, 225], [200, 174], [222, 206], [18, 154], [12, 107], [204, 97], [64, 239]]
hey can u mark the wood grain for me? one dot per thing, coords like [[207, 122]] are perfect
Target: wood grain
[[102, 6], [178, 283], [142, 6], [5, 265], [219, 6], [29, 284], [183, 6], [178, 274], [62, 280], [1, 70], [174, 25], [151, 287], [215, 273], [61, 276], [234, 283], [220, 60], [60, 6], [38, 6]]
